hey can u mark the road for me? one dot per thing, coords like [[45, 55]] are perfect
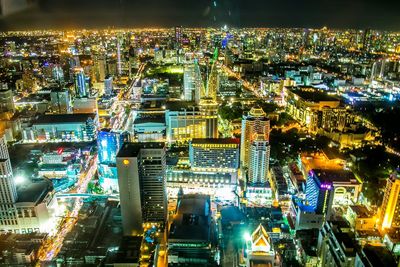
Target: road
[[53, 244], [245, 83], [132, 94]]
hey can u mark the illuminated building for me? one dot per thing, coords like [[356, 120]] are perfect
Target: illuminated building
[[149, 126], [81, 83], [259, 161], [142, 185], [259, 250], [8, 191], [255, 122], [316, 110], [25, 206], [178, 36], [337, 244], [345, 186], [360, 218], [62, 127], [217, 184], [214, 153], [190, 239], [6, 99], [60, 101], [108, 145], [185, 121], [390, 209], [319, 193], [192, 82], [108, 85], [85, 105]]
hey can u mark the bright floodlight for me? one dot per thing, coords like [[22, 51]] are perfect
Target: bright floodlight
[[19, 179], [247, 236]]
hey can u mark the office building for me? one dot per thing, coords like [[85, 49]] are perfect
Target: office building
[[62, 127], [316, 110], [214, 153], [60, 101], [390, 209], [345, 186], [186, 121], [81, 83], [108, 85], [192, 82], [259, 249], [108, 145], [6, 99], [190, 240], [25, 207], [149, 127], [259, 161], [255, 123], [319, 193], [336, 244], [142, 186]]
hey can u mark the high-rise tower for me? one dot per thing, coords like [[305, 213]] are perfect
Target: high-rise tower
[[142, 185], [254, 125], [390, 211]]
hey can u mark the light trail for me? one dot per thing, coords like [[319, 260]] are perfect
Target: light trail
[[53, 246]]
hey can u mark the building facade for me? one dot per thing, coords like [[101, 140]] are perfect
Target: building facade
[[214, 153], [142, 185]]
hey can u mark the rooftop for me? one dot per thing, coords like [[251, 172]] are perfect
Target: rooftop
[[64, 118], [179, 105], [149, 118], [310, 94], [336, 176], [33, 191], [377, 256], [361, 211], [132, 149], [215, 141], [192, 221]]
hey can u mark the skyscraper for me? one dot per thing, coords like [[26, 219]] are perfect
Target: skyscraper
[[6, 99], [259, 161], [142, 184], [81, 84], [254, 124], [108, 85], [390, 209], [8, 192], [192, 82], [319, 193], [60, 101], [108, 145]]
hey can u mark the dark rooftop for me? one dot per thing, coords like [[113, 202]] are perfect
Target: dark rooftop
[[377, 256], [149, 118], [132, 149], [312, 95], [335, 176], [33, 191], [192, 221], [180, 105], [64, 118], [215, 141]]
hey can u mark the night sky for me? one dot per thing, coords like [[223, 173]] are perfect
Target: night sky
[[60, 14]]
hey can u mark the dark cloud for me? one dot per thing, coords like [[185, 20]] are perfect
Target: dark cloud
[[249, 13]]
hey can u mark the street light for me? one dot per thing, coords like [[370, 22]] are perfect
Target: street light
[[19, 179]]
